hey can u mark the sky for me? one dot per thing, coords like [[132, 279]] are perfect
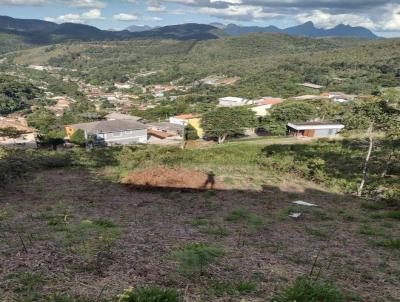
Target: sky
[[381, 16]]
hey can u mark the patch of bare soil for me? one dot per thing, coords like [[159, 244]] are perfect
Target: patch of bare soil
[[162, 177]]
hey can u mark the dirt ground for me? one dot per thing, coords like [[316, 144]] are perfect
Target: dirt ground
[[154, 222], [173, 178]]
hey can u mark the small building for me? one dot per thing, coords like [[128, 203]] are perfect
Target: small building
[[188, 119], [311, 85], [231, 101], [307, 97], [341, 97], [114, 132], [314, 129], [264, 104]]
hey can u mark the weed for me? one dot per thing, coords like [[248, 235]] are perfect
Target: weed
[[151, 294], [307, 290], [389, 243], [368, 230], [253, 221], [199, 222], [373, 205], [394, 214], [194, 258], [317, 232], [241, 287], [218, 231]]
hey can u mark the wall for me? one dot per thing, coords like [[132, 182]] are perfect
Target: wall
[[125, 137]]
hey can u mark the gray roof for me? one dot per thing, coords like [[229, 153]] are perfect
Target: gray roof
[[120, 116], [165, 126], [110, 126]]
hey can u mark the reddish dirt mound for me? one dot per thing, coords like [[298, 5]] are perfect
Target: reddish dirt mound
[[173, 178]]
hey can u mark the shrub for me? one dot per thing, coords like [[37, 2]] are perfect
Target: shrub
[[151, 294], [394, 214], [389, 243], [307, 290], [194, 258], [78, 137], [241, 215]]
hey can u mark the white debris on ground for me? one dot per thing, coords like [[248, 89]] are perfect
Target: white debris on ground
[[303, 203], [295, 215]]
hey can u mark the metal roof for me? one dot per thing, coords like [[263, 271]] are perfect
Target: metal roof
[[109, 126]]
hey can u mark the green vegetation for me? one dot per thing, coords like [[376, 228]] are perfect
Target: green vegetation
[[194, 258], [16, 94], [308, 290], [151, 294], [253, 221], [224, 122]]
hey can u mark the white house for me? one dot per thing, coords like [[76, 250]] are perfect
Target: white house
[[231, 101], [314, 129]]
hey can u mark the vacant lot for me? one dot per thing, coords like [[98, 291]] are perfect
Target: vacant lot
[[69, 231]]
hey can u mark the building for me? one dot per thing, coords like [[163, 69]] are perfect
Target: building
[[119, 116], [307, 97], [231, 101], [114, 132], [314, 129], [171, 129], [312, 86], [341, 97], [188, 119], [264, 104]]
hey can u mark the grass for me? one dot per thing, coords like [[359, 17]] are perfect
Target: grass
[[150, 294], [232, 288], [217, 231], [307, 290], [366, 229], [394, 214], [253, 221], [194, 258], [388, 243]]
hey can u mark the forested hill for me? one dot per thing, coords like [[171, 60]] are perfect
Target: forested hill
[[38, 32], [267, 64]]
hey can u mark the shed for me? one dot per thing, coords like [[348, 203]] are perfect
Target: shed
[[314, 129]]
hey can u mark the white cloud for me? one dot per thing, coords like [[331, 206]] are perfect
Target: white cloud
[[94, 14], [239, 12], [23, 2], [126, 17], [391, 20], [86, 3], [327, 20]]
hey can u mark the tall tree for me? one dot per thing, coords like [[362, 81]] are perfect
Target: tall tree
[[223, 122]]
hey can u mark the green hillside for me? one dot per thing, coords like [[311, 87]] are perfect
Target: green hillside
[[269, 64]]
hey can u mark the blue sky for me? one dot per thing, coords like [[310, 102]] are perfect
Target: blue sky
[[381, 16]]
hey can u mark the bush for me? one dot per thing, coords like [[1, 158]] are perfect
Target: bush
[[194, 258], [307, 290], [151, 294], [78, 137]]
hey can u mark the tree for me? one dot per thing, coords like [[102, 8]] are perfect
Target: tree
[[43, 120], [52, 139], [78, 137], [223, 122], [191, 133]]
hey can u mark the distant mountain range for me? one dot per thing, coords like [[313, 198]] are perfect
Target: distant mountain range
[[307, 29], [40, 32], [44, 32]]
